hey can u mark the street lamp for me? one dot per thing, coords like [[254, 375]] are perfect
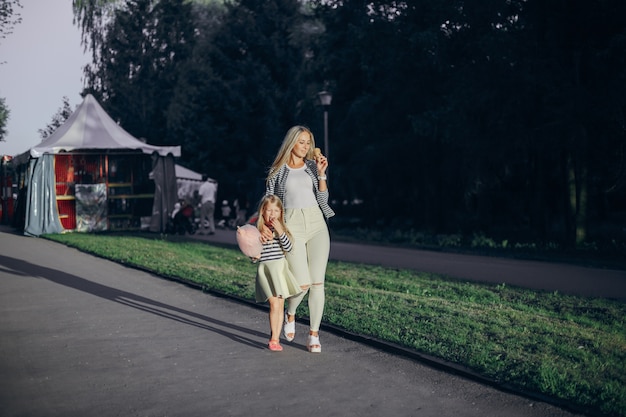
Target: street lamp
[[325, 98]]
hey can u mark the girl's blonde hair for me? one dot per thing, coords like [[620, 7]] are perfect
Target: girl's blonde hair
[[267, 200], [291, 137]]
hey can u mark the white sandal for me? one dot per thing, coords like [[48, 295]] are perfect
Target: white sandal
[[289, 329], [313, 344]]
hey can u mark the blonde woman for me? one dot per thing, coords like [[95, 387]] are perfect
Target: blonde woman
[[298, 177]]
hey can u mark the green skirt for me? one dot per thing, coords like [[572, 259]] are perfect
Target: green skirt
[[274, 279]]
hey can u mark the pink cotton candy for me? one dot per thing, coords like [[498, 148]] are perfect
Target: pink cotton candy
[[249, 240]]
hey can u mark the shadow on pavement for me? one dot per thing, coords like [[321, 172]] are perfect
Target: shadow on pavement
[[23, 268]]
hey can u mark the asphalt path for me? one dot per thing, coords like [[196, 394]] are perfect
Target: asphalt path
[[83, 336], [539, 275]]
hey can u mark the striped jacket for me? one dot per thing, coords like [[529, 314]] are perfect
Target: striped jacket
[[276, 186]]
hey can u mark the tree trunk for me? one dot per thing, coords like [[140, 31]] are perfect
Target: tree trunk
[[578, 200]]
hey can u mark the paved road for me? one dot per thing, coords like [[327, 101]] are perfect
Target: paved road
[[568, 279], [82, 336]]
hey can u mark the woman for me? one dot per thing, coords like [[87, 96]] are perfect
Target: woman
[[299, 180]]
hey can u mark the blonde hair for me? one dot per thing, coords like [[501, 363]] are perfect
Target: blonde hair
[[291, 137], [266, 201]]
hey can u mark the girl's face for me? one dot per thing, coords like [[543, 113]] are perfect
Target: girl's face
[[270, 213], [302, 146]]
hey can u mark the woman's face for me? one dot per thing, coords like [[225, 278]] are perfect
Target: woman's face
[[302, 146], [271, 213]]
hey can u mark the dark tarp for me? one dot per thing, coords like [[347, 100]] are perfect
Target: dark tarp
[[165, 191]]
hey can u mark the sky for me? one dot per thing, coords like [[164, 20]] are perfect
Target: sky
[[42, 61]]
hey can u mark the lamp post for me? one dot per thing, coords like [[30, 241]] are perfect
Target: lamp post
[[325, 98]]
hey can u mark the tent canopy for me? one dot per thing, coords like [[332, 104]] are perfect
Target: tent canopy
[[90, 127], [187, 174]]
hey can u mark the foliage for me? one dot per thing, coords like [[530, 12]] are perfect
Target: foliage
[[91, 17], [240, 91], [4, 118], [495, 104], [9, 16], [609, 254], [498, 117], [564, 347], [58, 119], [136, 72]]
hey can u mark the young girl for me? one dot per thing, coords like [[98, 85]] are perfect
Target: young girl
[[274, 280]]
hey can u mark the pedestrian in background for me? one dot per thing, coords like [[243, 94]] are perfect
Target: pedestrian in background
[[207, 192]]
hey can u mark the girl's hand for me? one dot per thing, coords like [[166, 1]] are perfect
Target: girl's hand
[[278, 228], [267, 234]]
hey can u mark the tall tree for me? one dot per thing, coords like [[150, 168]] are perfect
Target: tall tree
[[382, 60], [145, 44], [245, 90], [495, 102], [576, 58], [62, 114], [92, 16], [4, 119], [9, 16]]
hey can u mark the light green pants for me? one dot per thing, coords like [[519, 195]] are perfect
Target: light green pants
[[308, 259]]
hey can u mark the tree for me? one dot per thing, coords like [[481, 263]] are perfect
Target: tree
[[502, 116], [4, 119], [383, 61], [9, 16], [242, 89], [493, 106], [62, 114], [92, 16], [138, 64]]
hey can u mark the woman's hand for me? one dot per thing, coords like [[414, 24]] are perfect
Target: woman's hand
[[322, 165]]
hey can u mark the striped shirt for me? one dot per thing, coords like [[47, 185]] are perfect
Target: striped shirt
[[273, 249]]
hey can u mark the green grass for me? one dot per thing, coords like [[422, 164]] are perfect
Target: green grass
[[572, 349]]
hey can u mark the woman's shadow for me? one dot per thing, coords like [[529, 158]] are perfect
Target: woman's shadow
[[23, 268]]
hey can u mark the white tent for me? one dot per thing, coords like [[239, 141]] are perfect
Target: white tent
[[183, 173], [90, 128], [188, 183]]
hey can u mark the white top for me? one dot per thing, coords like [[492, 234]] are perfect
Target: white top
[[207, 192], [299, 189]]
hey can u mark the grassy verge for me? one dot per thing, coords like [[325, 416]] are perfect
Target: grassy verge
[[569, 348]]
